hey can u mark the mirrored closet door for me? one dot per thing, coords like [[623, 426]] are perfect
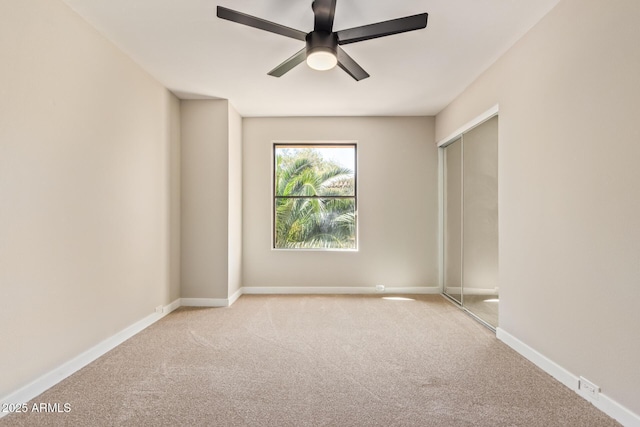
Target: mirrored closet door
[[470, 221], [452, 205]]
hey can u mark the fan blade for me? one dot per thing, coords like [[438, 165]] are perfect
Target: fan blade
[[350, 66], [324, 11], [289, 63], [382, 29], [252, 21]]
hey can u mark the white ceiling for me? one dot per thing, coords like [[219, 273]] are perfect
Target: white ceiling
[[197, 55]]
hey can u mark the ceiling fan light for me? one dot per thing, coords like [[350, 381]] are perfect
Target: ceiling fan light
[[322, 49], [322, 60]]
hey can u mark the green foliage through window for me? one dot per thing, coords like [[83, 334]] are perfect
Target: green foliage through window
[[315, 196]]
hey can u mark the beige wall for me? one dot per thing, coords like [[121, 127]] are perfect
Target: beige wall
[[397, 205], [204, 195], [85, 195], [211, 194], [174, 130], [568, 188]]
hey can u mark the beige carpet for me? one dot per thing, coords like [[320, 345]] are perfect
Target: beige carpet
[[314, 361]]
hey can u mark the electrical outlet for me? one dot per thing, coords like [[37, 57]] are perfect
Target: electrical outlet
[[159, 309], [588, 388], [379, 288]]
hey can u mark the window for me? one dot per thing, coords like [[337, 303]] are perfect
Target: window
[[314, 196]]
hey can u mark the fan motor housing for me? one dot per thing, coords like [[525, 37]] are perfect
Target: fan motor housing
[[322, 41]]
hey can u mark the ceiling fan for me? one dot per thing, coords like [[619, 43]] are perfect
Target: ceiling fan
[[323, 51]]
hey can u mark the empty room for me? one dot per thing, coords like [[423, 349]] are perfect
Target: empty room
[[329, 212]]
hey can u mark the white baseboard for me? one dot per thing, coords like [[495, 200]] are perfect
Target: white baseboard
[[415, 290], [606, 404], [336, 290], [204, 302], [171, 307], [233, 298], [48, 380], [543, 362]]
